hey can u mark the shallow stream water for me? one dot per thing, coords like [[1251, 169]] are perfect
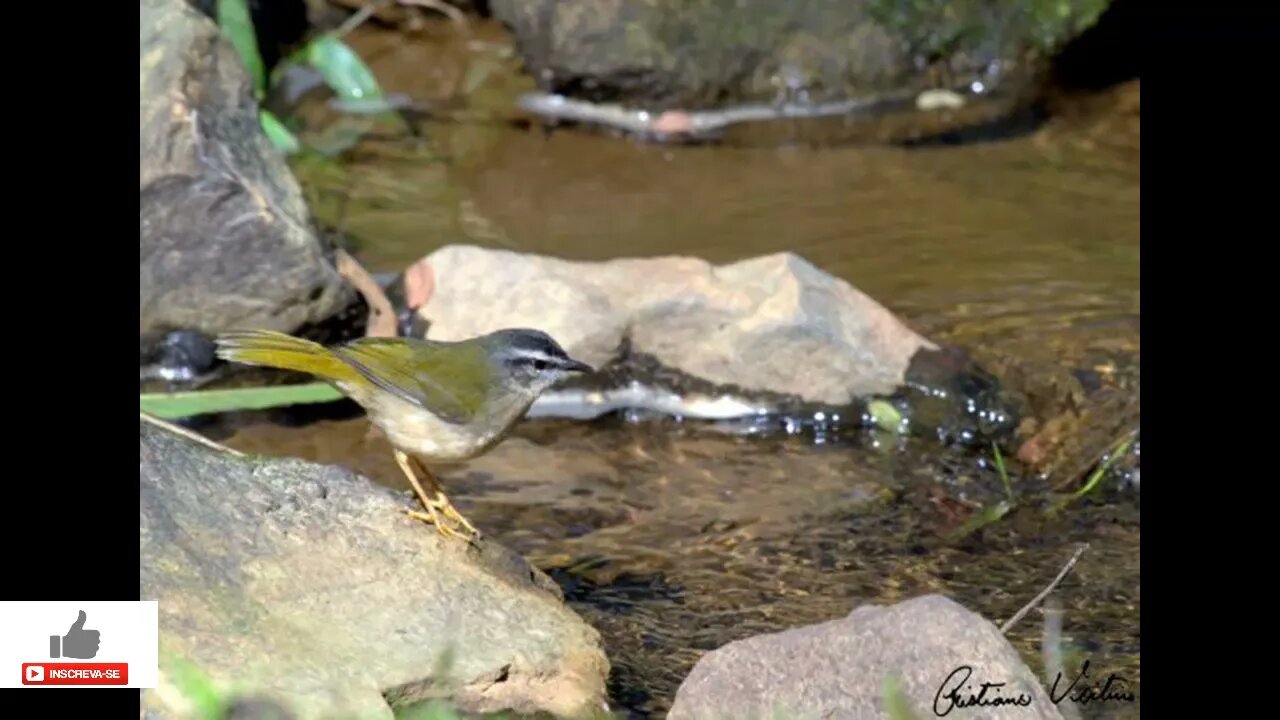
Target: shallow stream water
[[675, 538]]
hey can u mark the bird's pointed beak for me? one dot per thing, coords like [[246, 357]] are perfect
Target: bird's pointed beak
[[575, 366]]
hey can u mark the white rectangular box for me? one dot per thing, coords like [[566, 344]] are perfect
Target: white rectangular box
[[91, 643]]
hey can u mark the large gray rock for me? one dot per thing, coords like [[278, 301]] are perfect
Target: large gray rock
[[839, 669], [702, 53], [775, 324], [225, 237], [306, 584]]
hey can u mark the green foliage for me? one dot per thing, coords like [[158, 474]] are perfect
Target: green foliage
[[343, 71], [237, 26], [204, 402], [896, 703], [992, 513], [1004, 474], [197, 688], [943, 27], [1055, 21], [279, 135], [1096, 477], [989, 515], [885, 415]]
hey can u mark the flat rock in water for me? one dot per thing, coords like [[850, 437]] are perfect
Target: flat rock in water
[[225, 236], [774, 323], [838, 669], [306, 585]]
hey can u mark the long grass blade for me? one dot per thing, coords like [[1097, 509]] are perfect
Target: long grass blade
[[205, 402], [279, 135], [237, 25]]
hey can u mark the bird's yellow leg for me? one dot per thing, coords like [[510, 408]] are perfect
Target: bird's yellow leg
[[406, 466], [440, 499], [435, 503]]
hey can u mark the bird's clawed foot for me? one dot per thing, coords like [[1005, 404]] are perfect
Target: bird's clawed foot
[[445, 529], [440, 512]]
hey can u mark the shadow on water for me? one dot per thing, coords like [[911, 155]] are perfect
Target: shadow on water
[[674, 538]]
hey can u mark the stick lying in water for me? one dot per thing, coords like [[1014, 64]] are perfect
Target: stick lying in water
[[700, 122], [1045, 592]]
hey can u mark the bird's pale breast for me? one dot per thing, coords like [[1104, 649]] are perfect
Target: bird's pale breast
[[414, 430]]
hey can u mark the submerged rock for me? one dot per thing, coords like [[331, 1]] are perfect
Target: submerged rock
[[839, 669], [696, 54], [775, 324], [225, 236], [305, 585]]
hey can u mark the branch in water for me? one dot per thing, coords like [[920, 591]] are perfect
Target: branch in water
[[440, 6], [382, 317], [1043, 593], [680, 123]]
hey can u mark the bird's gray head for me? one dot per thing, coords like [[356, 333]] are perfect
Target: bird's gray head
[[530, 360]]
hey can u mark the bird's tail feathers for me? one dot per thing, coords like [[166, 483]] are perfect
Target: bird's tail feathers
[[268, 348]]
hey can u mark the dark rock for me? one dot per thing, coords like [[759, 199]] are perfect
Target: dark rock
[[694, 54], [182, 355], [839, 669], [307, 585], [950, 394], [225, 236]]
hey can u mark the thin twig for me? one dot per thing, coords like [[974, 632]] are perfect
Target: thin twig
[[1044, 593], [177, 429], [382, 316], [358, 18], [456, 15]]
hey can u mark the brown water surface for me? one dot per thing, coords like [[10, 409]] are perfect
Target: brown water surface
[[674, 539]]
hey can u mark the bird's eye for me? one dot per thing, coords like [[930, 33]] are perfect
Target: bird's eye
[[540, 365]]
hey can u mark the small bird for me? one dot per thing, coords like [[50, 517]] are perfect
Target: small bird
[[435, 401]]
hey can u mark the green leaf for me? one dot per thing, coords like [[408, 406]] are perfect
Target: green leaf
[[1004, 474], [237, 25], [885, 415], [279, 135], [989, 515], [197, 688], [203, 402], [344, 71], [896, 703], [1093, 481]]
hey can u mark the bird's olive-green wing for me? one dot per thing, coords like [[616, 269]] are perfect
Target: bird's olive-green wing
[[450, 380]]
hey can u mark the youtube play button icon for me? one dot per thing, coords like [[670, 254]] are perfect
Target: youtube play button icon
[[34, 674]]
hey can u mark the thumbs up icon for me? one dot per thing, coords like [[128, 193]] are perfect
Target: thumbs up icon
[[77, 643]]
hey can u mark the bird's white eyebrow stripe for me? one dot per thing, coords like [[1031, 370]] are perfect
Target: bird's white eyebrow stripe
[[534, 354]]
